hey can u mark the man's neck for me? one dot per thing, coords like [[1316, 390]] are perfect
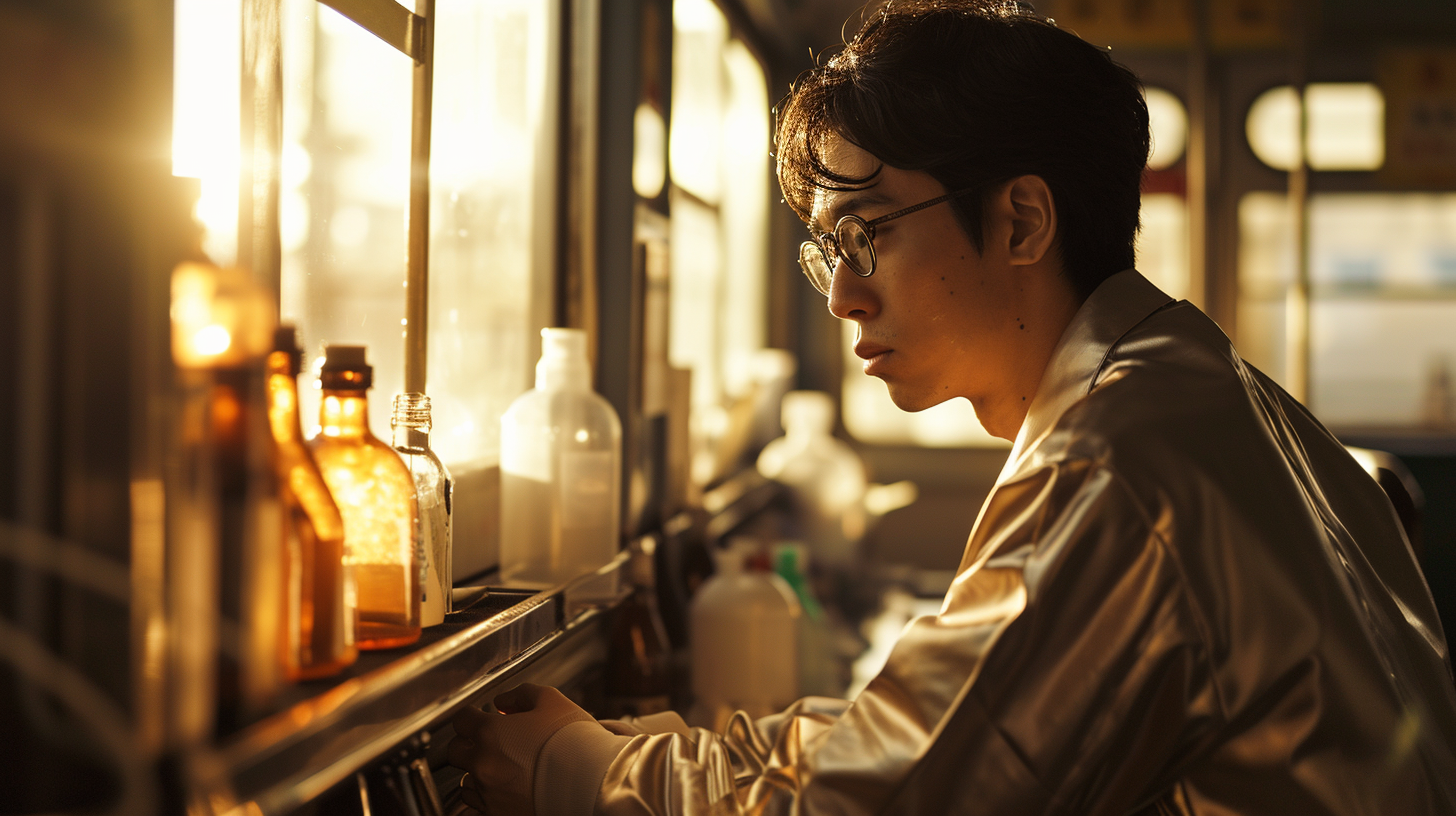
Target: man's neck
[[1003, 412]]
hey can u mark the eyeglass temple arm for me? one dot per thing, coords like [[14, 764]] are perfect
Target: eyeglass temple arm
[[917, 207]]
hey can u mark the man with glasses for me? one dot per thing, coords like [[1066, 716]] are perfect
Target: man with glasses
[[1182, 596]]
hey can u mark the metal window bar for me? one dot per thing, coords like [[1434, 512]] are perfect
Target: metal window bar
[[412, 34]]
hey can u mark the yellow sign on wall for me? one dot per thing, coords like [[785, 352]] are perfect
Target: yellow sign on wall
[[1420, 117], [1233, 24]]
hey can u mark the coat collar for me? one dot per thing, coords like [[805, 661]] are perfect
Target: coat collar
[[1115, 307]]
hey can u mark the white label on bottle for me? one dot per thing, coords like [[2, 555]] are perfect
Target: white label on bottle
[[586, 489]]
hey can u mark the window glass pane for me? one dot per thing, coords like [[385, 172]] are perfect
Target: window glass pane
[[1272, 128], [1346, 126], [744, 210], [1383, 300], [718, 160], [344, 193], [700, 32], [491, 244], [1162, 243], [205, 140], [1266, 267], [1168, 121], [696, 259]]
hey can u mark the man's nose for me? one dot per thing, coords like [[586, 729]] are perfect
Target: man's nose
[[850, 296]]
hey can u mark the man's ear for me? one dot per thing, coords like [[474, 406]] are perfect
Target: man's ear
[[1033, 215]]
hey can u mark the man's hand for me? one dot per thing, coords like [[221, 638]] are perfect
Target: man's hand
[[498, 749]]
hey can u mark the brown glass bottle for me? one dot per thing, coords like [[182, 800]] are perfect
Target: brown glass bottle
[[376, 497], [639, 664], [318, 588]]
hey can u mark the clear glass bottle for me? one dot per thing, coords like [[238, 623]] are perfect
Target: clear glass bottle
[[411, 425], [318, 588], [376, 496], [561, 481]]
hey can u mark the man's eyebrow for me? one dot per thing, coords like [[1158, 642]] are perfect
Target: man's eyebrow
[[844, 206]]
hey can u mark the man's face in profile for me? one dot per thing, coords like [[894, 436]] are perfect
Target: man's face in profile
[[937, 319]]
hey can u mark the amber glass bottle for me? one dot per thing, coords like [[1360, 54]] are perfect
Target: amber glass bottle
[[376, 496], [318, 589], [639, 663]]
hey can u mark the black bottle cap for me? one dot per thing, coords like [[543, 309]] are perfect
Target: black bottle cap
[[285, 338], [345, 369]]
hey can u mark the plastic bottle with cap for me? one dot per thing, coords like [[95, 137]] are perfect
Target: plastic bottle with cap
[[561, 484], [744, 641], [824, 473], [376, 496]]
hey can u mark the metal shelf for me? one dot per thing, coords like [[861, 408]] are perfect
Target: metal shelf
[[327, 730]]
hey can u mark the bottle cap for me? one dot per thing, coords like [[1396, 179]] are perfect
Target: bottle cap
[[285, 338], [563, 360], [727, 561], [411, 410], [345, 369], [790, 557]]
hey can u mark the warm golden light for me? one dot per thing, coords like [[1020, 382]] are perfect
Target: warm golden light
[[1346, 127], [1168, 122], [211, 341], [205, 120], [649, 151], [220, 317], [318, 610], [376, 496]]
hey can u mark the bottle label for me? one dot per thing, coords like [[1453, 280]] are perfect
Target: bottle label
[[586, 489], [525, 453]]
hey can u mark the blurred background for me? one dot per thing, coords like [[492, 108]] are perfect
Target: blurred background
[[605, 165]]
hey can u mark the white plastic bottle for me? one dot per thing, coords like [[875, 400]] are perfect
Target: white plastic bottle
[[561, 484], [744, 638], [825, 474]]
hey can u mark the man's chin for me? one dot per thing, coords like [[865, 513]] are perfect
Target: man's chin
[[914, 400]]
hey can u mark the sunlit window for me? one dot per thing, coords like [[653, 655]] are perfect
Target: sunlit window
[[649, 151], [1346, 127], [1162, 240], [1168, 121], [347, 107], [347, 98], [344, 191], [718, 163], [205, 125], [1162, 243], [1383, 302], [492, 170]]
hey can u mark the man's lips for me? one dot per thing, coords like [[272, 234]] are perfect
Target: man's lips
[[872, 354]]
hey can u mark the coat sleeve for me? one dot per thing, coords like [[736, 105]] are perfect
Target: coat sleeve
[[1062, 675]]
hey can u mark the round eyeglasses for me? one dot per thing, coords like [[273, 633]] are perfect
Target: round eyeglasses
[[852, 241]]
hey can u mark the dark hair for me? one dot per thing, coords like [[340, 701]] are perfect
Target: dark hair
[[975, 93]]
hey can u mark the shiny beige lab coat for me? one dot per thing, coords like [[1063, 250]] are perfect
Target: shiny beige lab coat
[[1182, 597]]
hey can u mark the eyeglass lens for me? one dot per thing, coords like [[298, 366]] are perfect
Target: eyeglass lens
[[854, 246], [816, 266], [850, 241]]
